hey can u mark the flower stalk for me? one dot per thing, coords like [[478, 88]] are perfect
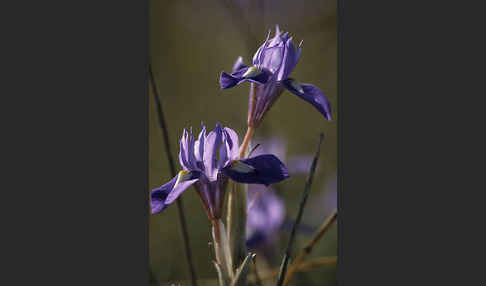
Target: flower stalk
[[224, 263]]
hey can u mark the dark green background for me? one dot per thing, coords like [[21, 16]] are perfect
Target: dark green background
[[191, 42]]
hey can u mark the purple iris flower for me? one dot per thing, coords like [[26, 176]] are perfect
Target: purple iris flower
[[272, 65], [208, 162]]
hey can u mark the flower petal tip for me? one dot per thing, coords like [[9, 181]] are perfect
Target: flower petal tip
[[227, 81]]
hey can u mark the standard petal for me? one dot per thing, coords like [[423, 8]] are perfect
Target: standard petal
[[211, 146], [191, 152], [263, 169], [232, 144], [311, 94], [299, 50], [183, 150], [238, 65], [159, 195], [288, 62], [199, 145], [257, 56], [273, 58]]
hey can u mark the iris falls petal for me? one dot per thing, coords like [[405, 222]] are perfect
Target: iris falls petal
[[166, 194], [263, 169], [312, 95]]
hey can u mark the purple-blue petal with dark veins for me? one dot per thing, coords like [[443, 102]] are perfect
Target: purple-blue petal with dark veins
[[313, 95]]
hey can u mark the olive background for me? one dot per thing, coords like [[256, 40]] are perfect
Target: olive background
[[191, 43]]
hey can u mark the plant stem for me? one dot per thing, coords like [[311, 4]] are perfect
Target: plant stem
[[283, 267], [244, 145], [222, 251], [236, 221], [180, 205], [308, 248], [258, 280]]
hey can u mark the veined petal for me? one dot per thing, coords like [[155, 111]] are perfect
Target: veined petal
[[232, 144], [263, 169], [299, 50], [273, 58], [184, 180], [257, 56], [288, 61], [223, 153], [211, 147], [183, 151], [311, 94], [238, 65], [191, 152], [159, 195], [199, 145], [251, 74]]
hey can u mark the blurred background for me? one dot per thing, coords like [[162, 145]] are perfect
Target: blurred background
[[191, 43]]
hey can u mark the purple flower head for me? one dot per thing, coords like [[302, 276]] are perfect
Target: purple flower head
[[272, 65], [208, 162]]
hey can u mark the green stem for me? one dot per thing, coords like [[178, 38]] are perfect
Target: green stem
[[222, 252]]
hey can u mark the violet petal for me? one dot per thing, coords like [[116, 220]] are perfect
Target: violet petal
[[263, 169], [312, 95]]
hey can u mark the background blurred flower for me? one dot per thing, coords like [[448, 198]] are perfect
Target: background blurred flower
[[266, 211], [266, 214]]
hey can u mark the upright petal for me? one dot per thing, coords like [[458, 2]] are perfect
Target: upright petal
[[272, 58], [288, 61], [311, 94], [191, 152], [257, 56], [199, 145], [232, 144], [183, 151], [211, 147], [299, 50], [263, 169], [223, 153]]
